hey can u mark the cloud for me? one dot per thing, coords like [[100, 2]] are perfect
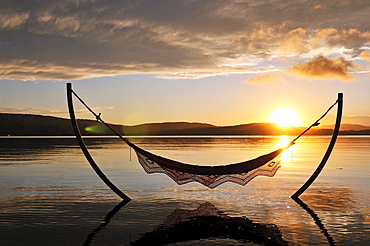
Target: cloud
[[365, 55], [51, 112], [318, 68], [268, 78], [75, 39], [10, 19], [321, 67], [349, 38], [275, 40], [38, 111], [225, 69], [34, 69], [282, 40]]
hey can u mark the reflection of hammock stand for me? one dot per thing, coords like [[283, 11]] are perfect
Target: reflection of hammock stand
[[316, 218], [211, 176], [254, 231]]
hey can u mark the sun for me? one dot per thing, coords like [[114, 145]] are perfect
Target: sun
[[285, 117]]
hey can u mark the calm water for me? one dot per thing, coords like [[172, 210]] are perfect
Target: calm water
[[50, 196]]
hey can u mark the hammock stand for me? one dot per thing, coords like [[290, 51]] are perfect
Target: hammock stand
[[210, 176]]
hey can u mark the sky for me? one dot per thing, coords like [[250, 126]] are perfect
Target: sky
[[218, 62]]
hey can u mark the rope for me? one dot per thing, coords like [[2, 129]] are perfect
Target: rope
[[316, 123], [98, 118]]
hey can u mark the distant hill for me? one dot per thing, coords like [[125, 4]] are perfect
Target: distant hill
[[38, 125], [33, 125], [347, 127]]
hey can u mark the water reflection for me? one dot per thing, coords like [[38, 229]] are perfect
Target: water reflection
[[205, 222], [15, 151], [336, 207], [37, 202], [335, 199], [106, 221], [208, 222], [204, 143], [286, 155], [317, 220]]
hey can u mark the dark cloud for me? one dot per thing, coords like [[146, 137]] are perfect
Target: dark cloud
[[74, 39]]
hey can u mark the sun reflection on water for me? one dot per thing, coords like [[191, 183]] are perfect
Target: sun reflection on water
[[286, 155]]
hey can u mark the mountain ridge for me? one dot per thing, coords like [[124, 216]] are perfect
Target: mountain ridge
[[41, 125]]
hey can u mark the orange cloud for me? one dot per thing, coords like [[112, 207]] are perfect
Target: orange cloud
[[269, 78], [319, 6], [365, 55], [351, 38], [321, 67]]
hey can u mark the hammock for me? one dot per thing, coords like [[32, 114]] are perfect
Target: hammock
[[182, 173], [210, 176]]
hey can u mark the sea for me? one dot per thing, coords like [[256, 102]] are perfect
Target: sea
[[49, 194]]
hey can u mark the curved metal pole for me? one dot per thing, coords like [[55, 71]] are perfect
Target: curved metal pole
[[84, 148], [328, 151]]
